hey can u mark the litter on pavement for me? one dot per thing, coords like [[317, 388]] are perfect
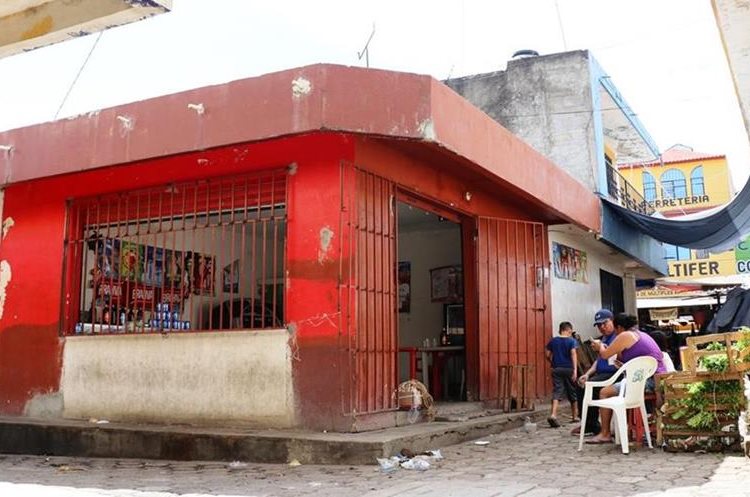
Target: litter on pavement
[[407, 459]]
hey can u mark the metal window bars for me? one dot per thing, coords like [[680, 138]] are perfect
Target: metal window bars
[[202, 255], [625, 194]]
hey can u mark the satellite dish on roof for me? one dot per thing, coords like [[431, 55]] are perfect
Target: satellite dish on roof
[[524, 54]]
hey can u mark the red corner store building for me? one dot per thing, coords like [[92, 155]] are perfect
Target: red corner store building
[[229, 255]]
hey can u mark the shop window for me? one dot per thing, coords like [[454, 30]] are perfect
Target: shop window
[[673, 184], [649, 187], [696, 181], [205, 255], [702, 254], [673, 252]]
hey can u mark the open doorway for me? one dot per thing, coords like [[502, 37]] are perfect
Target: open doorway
[[431, 312]]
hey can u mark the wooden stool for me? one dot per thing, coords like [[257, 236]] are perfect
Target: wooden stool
[[514, 379]]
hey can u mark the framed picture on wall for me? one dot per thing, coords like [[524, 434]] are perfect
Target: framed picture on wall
[[446, 284], [454, 319]]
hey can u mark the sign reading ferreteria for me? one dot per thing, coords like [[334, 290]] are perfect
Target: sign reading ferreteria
[[678, 202]]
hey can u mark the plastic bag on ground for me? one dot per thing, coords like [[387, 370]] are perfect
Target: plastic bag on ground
[[435, 454], [416, 463], [388, 465]]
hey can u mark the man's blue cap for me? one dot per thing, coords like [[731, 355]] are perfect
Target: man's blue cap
[[602, 315]]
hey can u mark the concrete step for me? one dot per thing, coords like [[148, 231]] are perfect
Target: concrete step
[[457, 412], [84, 439]]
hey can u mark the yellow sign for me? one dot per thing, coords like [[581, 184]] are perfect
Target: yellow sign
[[682, 182]]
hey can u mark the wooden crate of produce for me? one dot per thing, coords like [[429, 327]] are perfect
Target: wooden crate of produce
[[682, 426], [736, 351]]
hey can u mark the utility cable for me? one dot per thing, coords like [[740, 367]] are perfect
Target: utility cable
[[78, 75], [562, 29]]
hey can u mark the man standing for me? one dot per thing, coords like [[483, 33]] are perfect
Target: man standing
[[600, 370]]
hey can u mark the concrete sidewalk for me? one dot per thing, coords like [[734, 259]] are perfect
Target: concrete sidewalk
[[512, 464], [85, 439]]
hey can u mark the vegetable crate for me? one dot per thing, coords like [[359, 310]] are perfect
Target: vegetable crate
[[731, 349], [700, 407], [698, 410]]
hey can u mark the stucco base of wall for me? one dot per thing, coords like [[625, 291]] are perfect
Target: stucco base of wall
[[237, 378], [49, 405]]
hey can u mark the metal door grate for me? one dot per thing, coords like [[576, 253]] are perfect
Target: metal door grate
[[513, 316], [368, 287]]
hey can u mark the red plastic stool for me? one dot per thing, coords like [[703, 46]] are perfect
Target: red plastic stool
[[415, 361], [636, 430]]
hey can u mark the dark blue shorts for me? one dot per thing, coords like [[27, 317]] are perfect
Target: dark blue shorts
[[562, 384]]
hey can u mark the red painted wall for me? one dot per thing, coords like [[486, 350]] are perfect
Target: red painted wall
[[30, 342], [314, 257], [30, 348], [433, 174]]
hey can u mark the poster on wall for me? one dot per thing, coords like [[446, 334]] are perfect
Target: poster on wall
[[131, 255], [153, 266], [446, 284], [172, 268], [107, 263], [569, 263], [181, 273], [404, 286], [230, 277], [178, 272], [203, 274]]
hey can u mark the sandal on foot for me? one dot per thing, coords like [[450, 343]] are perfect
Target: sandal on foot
[[553, 422], [598, 441]]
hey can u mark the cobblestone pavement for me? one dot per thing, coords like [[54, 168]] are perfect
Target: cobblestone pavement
[[512, 464]]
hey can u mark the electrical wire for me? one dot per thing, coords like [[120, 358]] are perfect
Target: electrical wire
[[78, 75], [562, 29]]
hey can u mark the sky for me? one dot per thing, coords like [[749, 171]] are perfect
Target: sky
[[665, 56]]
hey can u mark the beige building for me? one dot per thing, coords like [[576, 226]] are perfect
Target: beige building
[[30, 24]]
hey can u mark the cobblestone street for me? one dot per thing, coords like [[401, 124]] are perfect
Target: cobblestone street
[[545, 463]]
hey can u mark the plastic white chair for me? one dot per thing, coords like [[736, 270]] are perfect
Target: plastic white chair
[[636, 372]]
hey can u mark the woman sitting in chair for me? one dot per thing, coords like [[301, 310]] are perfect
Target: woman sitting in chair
[[629, 343]]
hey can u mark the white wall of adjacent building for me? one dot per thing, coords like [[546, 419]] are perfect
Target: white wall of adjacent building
[[578, 301]]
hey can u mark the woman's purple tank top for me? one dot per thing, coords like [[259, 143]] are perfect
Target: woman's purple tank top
[[645, 346]]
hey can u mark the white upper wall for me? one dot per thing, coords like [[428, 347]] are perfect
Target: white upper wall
[[575, 301]]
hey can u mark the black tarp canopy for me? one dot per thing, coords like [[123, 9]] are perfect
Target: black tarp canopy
[[717, 230]]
